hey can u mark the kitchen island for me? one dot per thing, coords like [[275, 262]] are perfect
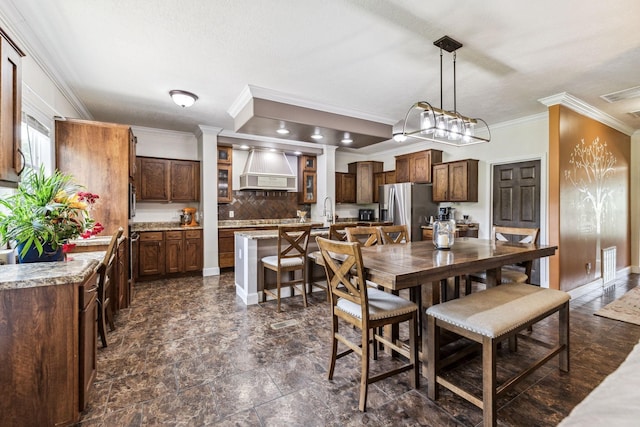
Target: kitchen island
[[250, 248], [48, 340]]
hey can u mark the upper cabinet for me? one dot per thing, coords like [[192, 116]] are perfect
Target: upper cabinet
[[382, 178], [345, 187], [416, 167], [364, 172], [225, 177], [456, 181], [307, 179], [11, 160], [167, 180]]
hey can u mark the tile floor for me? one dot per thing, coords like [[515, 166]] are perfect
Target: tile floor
[[189, 353]]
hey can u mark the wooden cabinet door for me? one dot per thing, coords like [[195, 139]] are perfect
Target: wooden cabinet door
[[402, 169], [421, 166], [463, 181], [11, 161], [88, 344], [224, 183], [440, 182], [378, 180], [226, 245], [184, 181], [225, 155], [151, 258], [308, 163], [364, 179], [174, 253], [154, 180], [345, 187], [193, 250], [132, 155]]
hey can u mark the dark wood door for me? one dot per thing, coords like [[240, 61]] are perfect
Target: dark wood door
[[154, 180], [185, 181], [193, 251], [174, 254], [440, 182], [151, 258], [516, 198]]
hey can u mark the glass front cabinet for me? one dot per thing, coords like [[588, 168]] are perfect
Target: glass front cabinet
[[307, 179], [225, 176]]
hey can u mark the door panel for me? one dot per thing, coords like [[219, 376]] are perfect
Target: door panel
[[516, 198]]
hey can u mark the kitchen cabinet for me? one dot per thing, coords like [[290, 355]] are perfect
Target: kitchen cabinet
[[225, 177], [466, 230], [11, 159], [169, 252], [48, 352], [364, 172], [226, 244], [167, 180], [416, 167], [456, 181], [307, 179], [123, 289], [345, 187], [151, 257], [382, 178]]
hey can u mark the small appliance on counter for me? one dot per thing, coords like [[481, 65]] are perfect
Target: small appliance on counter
[[365, 215], [188, 217], [447, 212]]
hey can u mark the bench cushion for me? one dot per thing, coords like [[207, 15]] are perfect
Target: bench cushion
[[499, 310]]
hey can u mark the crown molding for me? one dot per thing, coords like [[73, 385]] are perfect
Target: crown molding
[[250, 91], [20, 31], [579, 106]]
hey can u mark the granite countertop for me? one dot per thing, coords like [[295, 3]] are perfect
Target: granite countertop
[[272, 234], [161, 226], [461, 226], [262, 222], [22, 276]]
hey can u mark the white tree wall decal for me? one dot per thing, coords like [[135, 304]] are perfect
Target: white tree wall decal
[[590, 168]]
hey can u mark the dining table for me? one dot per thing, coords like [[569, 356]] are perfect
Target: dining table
[[419, 265]]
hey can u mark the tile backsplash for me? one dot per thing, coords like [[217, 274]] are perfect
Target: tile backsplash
[[261, 205]]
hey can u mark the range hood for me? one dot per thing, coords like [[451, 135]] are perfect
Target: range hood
[[267, 170]]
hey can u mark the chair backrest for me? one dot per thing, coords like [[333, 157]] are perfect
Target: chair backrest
[[105, 267], [366, 236], [337, 231], [393, 234], [514, 234], [293, 241], [345, 272]]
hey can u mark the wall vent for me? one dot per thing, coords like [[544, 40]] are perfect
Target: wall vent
[[608, 266]]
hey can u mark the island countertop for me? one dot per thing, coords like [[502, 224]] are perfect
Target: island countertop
[[252, 223], [161, 226], [273, 234], [31, 275]]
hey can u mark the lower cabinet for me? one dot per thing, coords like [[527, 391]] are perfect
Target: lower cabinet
[[169, 252], [48, 352], [227, 243]]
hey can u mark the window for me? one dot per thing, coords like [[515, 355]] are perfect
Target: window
[[36, 144]]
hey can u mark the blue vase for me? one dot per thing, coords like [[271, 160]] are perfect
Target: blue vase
[[48, 254]]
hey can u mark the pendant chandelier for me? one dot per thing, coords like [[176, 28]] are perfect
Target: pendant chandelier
[[424, 121]]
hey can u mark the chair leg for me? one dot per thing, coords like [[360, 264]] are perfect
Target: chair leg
[[413, 346], [264, 284], [109, 315], [102, 327], [433, 357], [304, 293], [364, 379], [334, 346], [489, 401], [278, 274]]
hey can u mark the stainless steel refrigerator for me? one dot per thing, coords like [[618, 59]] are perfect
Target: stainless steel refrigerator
[[407, 203]]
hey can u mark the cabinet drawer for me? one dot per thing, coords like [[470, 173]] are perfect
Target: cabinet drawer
[[151, 236], [193, 234], [173, 235], [88, 291]]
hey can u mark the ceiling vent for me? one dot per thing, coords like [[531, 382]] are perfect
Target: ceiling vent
[[630, 93], [267, 170], [635, 114]]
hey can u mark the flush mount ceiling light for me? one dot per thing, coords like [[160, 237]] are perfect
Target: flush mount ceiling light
[[183, 98], [440, 125]]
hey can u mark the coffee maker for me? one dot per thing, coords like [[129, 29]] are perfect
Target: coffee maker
[[446, 213]]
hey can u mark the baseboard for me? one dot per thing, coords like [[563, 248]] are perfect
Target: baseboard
[[211, 271]]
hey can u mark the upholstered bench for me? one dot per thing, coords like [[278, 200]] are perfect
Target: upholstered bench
[[489, 317]]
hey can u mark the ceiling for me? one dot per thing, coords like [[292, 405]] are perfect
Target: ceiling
[[117, 60]]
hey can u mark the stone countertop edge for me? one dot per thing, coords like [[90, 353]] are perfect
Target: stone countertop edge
[[161, 226], [37, 274], [272, 234], [266, 222]]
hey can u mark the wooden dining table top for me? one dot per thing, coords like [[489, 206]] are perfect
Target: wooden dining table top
[[412, 264]]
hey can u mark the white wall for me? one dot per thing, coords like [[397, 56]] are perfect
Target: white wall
[[635, 202], [169, 145]]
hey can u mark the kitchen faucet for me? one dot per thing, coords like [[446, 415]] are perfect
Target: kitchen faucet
[[327, 210]]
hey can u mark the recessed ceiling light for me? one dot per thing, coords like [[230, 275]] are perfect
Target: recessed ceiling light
[[273, 150], [347, 138], [297, 153], [317, 135], [282, 130], [244, 147]]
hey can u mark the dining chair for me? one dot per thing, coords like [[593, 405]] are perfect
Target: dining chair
[[336, 232], [393, 234], [105, 276], [518, 273], [293, 241], [365, 236], [367, 309]]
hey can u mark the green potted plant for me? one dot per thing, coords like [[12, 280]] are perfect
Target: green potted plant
[[44, 214]]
